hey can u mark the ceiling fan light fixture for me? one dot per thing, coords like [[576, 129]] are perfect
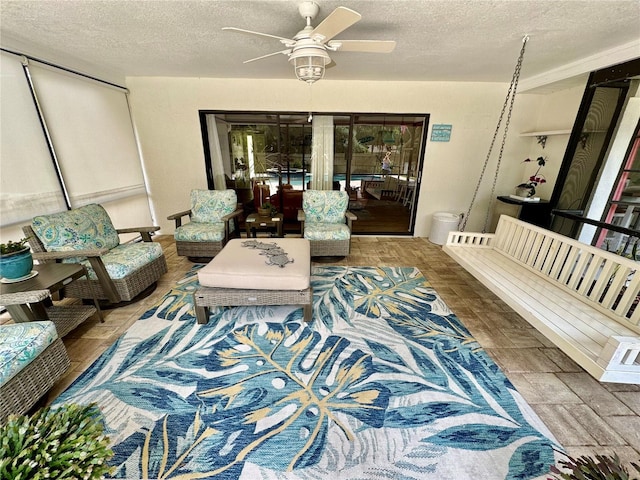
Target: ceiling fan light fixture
[[307, 50], [309, 63]]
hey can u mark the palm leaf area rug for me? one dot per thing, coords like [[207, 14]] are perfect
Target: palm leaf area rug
[[384, 383]]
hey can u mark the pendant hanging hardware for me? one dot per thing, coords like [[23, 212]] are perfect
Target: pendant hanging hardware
[[511, 95]]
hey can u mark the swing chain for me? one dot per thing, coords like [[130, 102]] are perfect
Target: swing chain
[[509, 100]]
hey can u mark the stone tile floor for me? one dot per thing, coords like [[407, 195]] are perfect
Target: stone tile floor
[[586, 416]]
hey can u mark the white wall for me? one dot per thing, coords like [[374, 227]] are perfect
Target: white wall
[[556, 112], [165, 111]]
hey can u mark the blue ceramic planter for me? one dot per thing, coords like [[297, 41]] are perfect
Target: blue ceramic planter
[[16, 265]]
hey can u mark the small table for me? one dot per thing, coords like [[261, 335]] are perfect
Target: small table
[[24, 302], [255, 222], [537, 213]]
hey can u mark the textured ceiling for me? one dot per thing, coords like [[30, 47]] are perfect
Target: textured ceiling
[[437, 40]]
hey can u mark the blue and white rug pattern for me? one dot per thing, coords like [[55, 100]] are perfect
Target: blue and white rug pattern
[[385, 383]]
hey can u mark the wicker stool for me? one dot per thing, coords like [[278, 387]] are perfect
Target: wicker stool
[[240, 276]]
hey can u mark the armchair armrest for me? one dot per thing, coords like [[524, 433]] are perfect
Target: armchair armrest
[[227, 218], [178, 217], [234, 214], [351, 217], [145, 232], [92, 252], [93, 255], [302, 217]]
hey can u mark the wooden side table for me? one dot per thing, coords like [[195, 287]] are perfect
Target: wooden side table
[[537, 213], [255, 222], [29, 300]]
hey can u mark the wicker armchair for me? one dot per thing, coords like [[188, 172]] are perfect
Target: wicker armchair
[[117, 272], [323, 217], [213, 219], [37, 364]]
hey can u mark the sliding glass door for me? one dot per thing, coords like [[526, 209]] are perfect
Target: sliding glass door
[[377, 159], [383, 168]]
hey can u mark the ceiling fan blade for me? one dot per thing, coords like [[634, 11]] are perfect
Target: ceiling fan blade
[[250, 32], [285, 52], [337, 21], [373, 46]]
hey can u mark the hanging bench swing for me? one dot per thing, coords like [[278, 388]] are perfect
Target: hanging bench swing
[[583, 299]]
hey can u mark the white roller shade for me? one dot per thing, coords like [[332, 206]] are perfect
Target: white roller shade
[[28, 181], [91, 130]]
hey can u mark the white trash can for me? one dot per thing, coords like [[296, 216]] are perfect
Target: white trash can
[[442, 224]]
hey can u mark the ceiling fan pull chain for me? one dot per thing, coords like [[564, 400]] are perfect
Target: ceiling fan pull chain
[[509, 99]]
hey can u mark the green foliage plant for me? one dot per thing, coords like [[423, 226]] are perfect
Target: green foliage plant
[[63, 443], [12, 247], [269, 206], [600, 467]]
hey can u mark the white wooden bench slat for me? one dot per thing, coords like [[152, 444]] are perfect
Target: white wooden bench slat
[[550, 258], [635, 316], [580, 297], [604, 279], [590, 276], [566, 265], [538, 255], [529, 254], [557, 264], [624, 303], [577, 270], [523, 239]]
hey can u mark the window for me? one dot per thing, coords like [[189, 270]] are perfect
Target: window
[[623, 208], [593, 197]]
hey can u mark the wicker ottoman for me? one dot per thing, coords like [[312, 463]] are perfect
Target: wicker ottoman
[[252, 272]]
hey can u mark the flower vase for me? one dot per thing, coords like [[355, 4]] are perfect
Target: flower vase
[[528, 191]]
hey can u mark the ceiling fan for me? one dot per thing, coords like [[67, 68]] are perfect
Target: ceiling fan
[[307, 50]]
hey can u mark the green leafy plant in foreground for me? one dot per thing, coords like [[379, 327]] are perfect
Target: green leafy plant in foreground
[[67, 442], [600, 467]]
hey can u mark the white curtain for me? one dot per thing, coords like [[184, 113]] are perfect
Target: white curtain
[[322, 153], [216, 153]]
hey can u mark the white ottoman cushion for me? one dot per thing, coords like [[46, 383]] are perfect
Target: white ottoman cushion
[[243, 267]]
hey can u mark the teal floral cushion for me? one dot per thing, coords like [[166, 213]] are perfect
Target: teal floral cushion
[[212, 205], [77, 229], [326, 206], [326, 231], [126, 259], [200, 232], [20, 343]]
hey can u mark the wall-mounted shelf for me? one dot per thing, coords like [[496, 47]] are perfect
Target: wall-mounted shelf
[[545, 133], [542, 136]]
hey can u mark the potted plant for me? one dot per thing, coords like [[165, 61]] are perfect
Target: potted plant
[[267, 209], [528, 189], [602, 467], [16, 260], [67, 442]]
